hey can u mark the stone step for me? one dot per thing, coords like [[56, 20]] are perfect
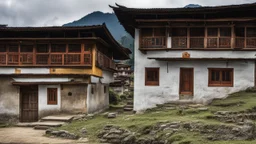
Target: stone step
[[128, 106], [58, 118], [41, 127], [45, 123], [128, 109], [130, 103]]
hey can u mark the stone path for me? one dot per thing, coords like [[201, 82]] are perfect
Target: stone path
[[28, 135]]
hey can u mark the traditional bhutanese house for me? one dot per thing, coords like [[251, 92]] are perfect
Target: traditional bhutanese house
[[190, 54], [122, 78], [48, 70]]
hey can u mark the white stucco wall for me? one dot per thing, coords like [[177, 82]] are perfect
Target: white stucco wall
[[108, 77], [168, 90], [25, 70], [99, 100], [43, 107]]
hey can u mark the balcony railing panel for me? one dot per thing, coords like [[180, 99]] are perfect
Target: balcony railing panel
[[196, 42], [13, 59], [179, 42], [42, 59], [240, 43], [251, 42], [225, 42], [56, 58], [212, 42], [153, 42], [72, 58], [104, 61], [26, 58], [2, 59]]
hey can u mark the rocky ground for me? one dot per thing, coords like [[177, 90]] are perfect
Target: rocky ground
[[231, 120]]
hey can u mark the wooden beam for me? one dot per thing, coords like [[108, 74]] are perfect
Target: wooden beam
[[196, 20], [233, 37]]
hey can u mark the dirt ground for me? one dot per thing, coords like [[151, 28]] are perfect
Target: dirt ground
[[27, 135]]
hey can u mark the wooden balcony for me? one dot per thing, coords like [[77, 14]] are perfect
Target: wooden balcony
[[153, 42], [104, 61], [45, 59]]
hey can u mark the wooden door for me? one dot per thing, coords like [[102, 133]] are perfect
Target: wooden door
[[186, 81], [29, 104]]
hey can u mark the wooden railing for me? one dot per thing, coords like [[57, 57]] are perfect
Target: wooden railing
[[197, 42], [153, 42], [43, 59], [179, 42], [251, 42], [104, 61]]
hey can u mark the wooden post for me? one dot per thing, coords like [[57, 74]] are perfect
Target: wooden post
[[6, 57], [49, 53], [188, 37], [233, 36], [218, 38], [82, 53], [34, 54], [205, 37], [19, 57], [245, 37]]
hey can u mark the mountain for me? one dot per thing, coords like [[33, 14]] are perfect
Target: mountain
[[193, 6], [98, 18]]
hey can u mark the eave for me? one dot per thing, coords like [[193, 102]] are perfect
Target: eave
[[199, 59]]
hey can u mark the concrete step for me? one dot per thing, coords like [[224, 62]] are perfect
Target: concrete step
[[130, 103], [41, 127], [58, 118], [128, 109], [128, 106], [45, 123]]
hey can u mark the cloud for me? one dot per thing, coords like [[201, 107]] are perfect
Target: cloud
[[59, 12]]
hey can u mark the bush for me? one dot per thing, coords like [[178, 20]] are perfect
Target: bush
[[113, 97], [123, 97]]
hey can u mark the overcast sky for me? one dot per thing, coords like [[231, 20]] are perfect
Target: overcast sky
[[59, 12]]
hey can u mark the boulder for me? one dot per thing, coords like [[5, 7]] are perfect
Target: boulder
[[112, 115]]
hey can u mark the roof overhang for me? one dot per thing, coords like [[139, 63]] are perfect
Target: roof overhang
[[46, 83], [199, 59]]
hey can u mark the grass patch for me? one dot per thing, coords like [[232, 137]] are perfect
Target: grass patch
[[142, 123]]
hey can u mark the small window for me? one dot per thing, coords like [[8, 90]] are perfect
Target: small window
[[42, 48], [147, 32], [75, 48], [152, 76], [92, 90], [251, 32], [105, 89], [212, 32], [26, 48], [88, 47], [58, 48], [179, 32], [13, 48], [2, 48], [225, 32], [52, 96], [221, 77]]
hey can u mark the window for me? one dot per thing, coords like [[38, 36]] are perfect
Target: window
[[152, 76], [197, 37], [75, 48], [13, 48], [179, 37], [58, 48], [153, 38], [105, 89], [92, 90], [221, 77], [26, 48], [42, 48], [52, 96], [2, 48]]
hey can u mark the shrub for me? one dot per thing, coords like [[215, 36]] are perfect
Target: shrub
[[113, 97], [123, 97]]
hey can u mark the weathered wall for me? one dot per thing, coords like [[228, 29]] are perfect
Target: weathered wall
[[168, 90], [43, 108], [9, 99], [99, 100], [77, 101], [118, 90]]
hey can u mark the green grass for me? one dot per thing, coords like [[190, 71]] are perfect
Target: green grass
[[140, 122]]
